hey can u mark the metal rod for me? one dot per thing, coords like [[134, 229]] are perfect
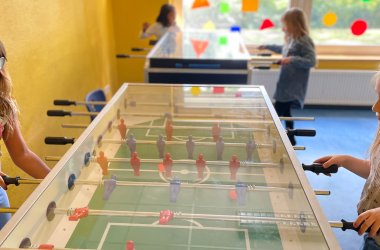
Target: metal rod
[[68, 125], [294, 118]]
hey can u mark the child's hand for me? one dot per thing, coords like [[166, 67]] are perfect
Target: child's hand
[[145, 26], [2, 183], [285, 60], [329, 160], [370, 218], [261, 47]]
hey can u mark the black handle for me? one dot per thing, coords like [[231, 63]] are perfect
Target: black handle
[[11, 180], [301, 132], [152, 42], [122, 56], [59, 140], [262, 67], [350, 225], [319, 169], [264, 54], [64, 102], [137, 49], [58, 113]]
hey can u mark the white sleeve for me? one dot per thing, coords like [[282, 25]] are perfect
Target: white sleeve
[[152, 30]]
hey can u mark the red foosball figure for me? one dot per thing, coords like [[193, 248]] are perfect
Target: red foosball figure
[[201, 164], [168, 163], [135, 163], [234, 166], [102, 160], [130, 245], [216, 131], [169, 130], [165, 217], [122, 129], [79, 213], [46, 246]]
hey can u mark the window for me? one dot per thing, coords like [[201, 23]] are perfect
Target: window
[[223, 14], [328, 35], [346, 13]]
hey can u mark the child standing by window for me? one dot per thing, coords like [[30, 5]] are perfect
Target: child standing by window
[[298, 56], [21, 155], [369, 203]]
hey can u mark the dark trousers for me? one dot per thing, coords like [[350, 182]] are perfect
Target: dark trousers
[[283, 109]]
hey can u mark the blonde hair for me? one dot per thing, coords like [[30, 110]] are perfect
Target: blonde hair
[[296, 24], [8, 106], [376, 142]]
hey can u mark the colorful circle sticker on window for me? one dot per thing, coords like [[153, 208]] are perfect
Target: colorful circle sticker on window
[[329, 19], [358, 27], [195, 91]]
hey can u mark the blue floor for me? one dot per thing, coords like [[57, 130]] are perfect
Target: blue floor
[[338, 132]]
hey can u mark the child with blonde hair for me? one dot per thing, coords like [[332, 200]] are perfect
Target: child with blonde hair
[[10, 132], [298, 57], [369, 204]]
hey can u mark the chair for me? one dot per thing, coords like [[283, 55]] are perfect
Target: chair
[[97, 96]]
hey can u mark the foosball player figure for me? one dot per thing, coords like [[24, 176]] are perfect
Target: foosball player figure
[[135, 163], [131, 142], [169, 130], [160, 146], [168, 163], [175, 187], [78, 214], [249, 147], [122, 129], [219, 148], [200, 163], [241, 192], [234, 166], [130, 245], [190, 145], [102, 160], [216, 131], [165, 217], [109, 186]]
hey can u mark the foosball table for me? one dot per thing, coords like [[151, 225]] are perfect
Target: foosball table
[[176, 167]]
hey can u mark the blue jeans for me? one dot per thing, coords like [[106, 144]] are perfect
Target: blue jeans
[[4, 202], [369, 244]]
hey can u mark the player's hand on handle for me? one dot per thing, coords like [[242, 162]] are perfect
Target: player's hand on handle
[[285, 61], [329, 160], [145, 26], [368, 221], [261, 47], [2, 182]]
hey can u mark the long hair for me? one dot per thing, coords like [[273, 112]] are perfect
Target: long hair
[[295, 21], [163, 16], [376, 141], [8, 106]]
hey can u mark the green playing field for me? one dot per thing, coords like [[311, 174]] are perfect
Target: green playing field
[[211, 197]]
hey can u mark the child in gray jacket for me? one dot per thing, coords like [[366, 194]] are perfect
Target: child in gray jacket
[[298, 56]]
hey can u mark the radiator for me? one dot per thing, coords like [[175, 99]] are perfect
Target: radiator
[[327, 87]]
